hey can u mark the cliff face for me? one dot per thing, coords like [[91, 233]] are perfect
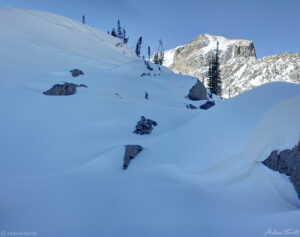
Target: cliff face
[[243, 74], [197, 54], [240, 69]]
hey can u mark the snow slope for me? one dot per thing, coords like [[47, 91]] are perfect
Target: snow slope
[[61, 157]]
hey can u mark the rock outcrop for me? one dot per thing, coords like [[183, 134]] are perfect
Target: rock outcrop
[[148, 66], [198, 92], [130, 153], [286, 162], [76, 72], [191, 106], [207, 105], [195, 55], [144, 126], [63, 89], [240, 70]]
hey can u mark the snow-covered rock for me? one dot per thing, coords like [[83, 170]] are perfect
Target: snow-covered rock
[[240, 69]]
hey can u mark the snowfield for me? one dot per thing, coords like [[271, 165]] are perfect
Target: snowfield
[[61, 156]]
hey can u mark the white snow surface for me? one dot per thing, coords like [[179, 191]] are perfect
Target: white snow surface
[[168, 57], [61, 156]]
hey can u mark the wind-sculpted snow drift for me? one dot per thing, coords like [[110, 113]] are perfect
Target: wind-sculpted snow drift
[[199, 174]]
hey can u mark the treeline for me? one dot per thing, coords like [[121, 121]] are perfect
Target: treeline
[[120, 32]]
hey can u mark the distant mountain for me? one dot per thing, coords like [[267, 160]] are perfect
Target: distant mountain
[[241, 70]]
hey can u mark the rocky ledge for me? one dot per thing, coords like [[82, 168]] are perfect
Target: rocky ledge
[[286, 162]]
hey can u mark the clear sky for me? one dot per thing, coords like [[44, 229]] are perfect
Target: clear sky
[[273, 25]]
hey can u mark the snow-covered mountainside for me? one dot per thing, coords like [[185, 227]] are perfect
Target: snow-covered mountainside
[[240, 69], [61, 160]]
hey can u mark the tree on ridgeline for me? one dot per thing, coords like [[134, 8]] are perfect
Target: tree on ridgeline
[[161, 53], [119, 30], [113, 33], [214, 74], [83, 19], [149, 53], [138, 47], [125, 39]]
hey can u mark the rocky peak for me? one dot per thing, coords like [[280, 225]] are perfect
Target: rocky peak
[[198, 52]]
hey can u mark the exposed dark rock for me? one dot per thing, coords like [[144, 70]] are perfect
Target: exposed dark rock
[[286, 162], [149, 74], [207, 105], [190, 106], [130, 153], [146, 96], [117, 94], [148, 66], [63, 89], [82, 85], [145, 74], [198, 92], [295, 177], [76, 72], [272, 161], [119, 45], [144, 126]]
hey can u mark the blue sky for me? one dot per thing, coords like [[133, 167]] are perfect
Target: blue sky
[[273, 25]]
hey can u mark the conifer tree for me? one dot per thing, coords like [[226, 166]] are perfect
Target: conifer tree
[[161, 53], [125, 39], [156, 58], [83, 19], [113, 33], [119, 30], [149, 53], [138, 47], [214, 74]]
